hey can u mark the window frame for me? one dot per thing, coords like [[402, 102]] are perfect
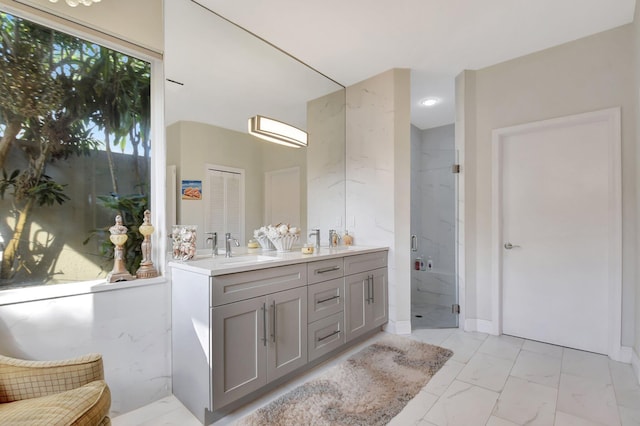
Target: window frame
[[157, 167]]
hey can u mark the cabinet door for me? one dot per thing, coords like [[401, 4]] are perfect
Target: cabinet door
[[378, 313], [239, 349], [287, 332], [356, 294]]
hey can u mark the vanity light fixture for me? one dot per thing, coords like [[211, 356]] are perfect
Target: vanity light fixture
[[74, 3], [429, 102], [277, 132]]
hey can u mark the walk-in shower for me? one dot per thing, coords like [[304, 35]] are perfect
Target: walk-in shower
[[434, 290]]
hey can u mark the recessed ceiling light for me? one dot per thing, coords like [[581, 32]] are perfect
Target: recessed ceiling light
[[430, 101]]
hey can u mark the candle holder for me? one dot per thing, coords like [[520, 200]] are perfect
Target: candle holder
[[146, 269], [118, 238]]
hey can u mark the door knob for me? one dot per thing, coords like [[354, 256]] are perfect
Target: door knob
[[510, 246]]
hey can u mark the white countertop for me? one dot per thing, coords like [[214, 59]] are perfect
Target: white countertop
[[244, 259]]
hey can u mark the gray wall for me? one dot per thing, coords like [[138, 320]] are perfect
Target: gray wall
[[589, 74]]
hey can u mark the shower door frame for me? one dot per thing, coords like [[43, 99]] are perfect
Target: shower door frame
[[455, 170]]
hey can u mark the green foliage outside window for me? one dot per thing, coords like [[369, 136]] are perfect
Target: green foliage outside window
[[63, 99]]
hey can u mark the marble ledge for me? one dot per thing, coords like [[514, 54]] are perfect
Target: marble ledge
[[54, 291], [250, 260]]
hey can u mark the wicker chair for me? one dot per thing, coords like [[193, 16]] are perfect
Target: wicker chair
[[69, 392]]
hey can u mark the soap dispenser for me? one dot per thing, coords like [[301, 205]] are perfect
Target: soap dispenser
[[347, 239], [429, 264]]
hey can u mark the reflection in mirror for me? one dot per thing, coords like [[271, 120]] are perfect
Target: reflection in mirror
[[218, 76]]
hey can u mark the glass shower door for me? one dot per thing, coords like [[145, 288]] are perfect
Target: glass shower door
[[434, 290]]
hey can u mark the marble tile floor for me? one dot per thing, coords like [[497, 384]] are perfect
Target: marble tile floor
[[490, 380]]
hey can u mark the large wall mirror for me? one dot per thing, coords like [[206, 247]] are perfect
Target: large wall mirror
[[218, 76]]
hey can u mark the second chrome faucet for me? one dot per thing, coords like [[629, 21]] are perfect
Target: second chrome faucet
[[316, 232], [228, 238]]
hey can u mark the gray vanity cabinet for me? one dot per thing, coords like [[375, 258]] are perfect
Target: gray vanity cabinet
[[366, 304], [235, 334], [256, 341]]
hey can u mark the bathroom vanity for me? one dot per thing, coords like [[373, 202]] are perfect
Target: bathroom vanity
[[244, 324]]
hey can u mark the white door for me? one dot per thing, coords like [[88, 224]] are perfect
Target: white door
[[558, 215]]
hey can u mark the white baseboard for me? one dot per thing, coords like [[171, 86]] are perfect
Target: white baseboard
[[635, 363], [482, 326], [623, 354], [398, 327]]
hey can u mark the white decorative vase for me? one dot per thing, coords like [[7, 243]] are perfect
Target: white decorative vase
[[264, 242], [284, 243]]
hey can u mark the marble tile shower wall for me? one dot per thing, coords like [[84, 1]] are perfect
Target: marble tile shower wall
[[130, 327], [433, 215], [326, 121]]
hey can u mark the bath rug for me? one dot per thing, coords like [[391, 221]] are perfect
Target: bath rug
[[369, 388]]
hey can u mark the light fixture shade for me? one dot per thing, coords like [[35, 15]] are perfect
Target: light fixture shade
[[277, 132], [74, 3]]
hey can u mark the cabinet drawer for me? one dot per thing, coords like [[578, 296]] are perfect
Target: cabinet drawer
[[365, 262], [245, 285], [325, 270], [325, 335], [324, 299]]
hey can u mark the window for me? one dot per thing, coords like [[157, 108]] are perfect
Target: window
[[75, 151]]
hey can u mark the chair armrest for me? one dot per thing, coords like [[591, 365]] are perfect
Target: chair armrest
[[21, 379]]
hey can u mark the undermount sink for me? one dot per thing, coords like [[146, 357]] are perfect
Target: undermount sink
[[233, 260], [247, 258]]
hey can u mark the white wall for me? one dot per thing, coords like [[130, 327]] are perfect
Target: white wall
[[589, 74], [378, 179]]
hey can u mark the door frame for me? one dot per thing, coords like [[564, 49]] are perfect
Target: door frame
[[611, 117]]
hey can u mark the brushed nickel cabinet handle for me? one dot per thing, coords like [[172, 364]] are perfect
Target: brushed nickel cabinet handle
[[264, 324], [320, 339], [324, 270], [273, 335], [326, 300], [373, 291]]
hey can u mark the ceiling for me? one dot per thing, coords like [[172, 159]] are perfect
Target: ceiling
[[350, 41]]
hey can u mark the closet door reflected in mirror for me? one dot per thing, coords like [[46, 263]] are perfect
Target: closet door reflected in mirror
[[224, 191]]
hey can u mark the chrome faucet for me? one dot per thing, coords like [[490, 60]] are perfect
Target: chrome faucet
[[316, 232], [228, 239], [213, 239]]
